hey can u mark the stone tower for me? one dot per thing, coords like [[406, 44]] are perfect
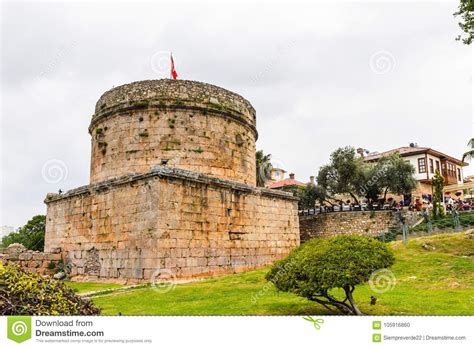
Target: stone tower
[[182, 124], [172, 187]]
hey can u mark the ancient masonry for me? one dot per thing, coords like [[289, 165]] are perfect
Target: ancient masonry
[[353, 222], [31, 261], [172, 189], [345, 223]]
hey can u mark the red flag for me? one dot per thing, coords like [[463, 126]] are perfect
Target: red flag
[[174, 74]]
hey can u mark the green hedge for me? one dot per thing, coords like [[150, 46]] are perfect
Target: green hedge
[[465, 219]]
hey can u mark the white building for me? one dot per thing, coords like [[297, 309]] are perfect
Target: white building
[[426, 161]]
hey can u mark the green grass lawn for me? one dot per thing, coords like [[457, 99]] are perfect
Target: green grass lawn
[[89, 286], [434, 276]]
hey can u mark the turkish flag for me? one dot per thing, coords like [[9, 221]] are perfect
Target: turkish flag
[[174, 74]]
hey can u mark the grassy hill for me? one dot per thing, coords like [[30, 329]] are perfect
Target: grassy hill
[[434, 276]]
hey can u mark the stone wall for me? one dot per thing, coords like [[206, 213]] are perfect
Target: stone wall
[[189, 224], [31, 261], [344, 223], [186, 124]]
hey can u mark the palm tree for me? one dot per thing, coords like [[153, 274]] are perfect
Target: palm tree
[[264, 168], [469, 154]]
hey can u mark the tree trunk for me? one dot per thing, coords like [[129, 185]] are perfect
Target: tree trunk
[[385, 195], [355, 198], [349, 291]]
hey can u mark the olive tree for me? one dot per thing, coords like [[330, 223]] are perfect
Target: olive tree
[[319, 266], [344, 174]]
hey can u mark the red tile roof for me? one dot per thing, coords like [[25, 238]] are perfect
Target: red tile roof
[[408, 150], [286, 182]]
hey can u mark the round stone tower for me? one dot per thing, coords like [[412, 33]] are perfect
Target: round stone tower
[[183, 124]]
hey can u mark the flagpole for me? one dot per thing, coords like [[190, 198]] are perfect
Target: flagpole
[[171, 66]]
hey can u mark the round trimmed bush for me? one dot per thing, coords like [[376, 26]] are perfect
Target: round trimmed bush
[[320, 265]]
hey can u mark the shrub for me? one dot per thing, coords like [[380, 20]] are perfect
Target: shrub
[[51, 265], [466, 220], [23, 293], [320, 265], [388, 236]]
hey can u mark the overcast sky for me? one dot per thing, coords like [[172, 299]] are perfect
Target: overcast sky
[[369, 75]]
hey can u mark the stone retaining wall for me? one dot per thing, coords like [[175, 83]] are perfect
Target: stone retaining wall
[[32, 261], [343, 223]]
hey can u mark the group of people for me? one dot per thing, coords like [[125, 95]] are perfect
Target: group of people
[[425, 202], [458, 204], [450, 204], [418, 204]]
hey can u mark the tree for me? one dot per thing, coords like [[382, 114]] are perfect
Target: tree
[[309, 195], [264, 168], [319, 266], [349, 174], [344, 174], [466, 12], [31, 235], [469, 155], [371, 189], [397, 175], [438, 185]]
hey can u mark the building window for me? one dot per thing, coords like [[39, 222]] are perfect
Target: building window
[[459, 174], [451, 170], [421, 165], [437, 166], [431, 166]]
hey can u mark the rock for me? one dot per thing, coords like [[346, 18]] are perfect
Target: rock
[[15, 249], [454, 285], [428, 246], [469, 234], [25, 256], [59, 275]]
